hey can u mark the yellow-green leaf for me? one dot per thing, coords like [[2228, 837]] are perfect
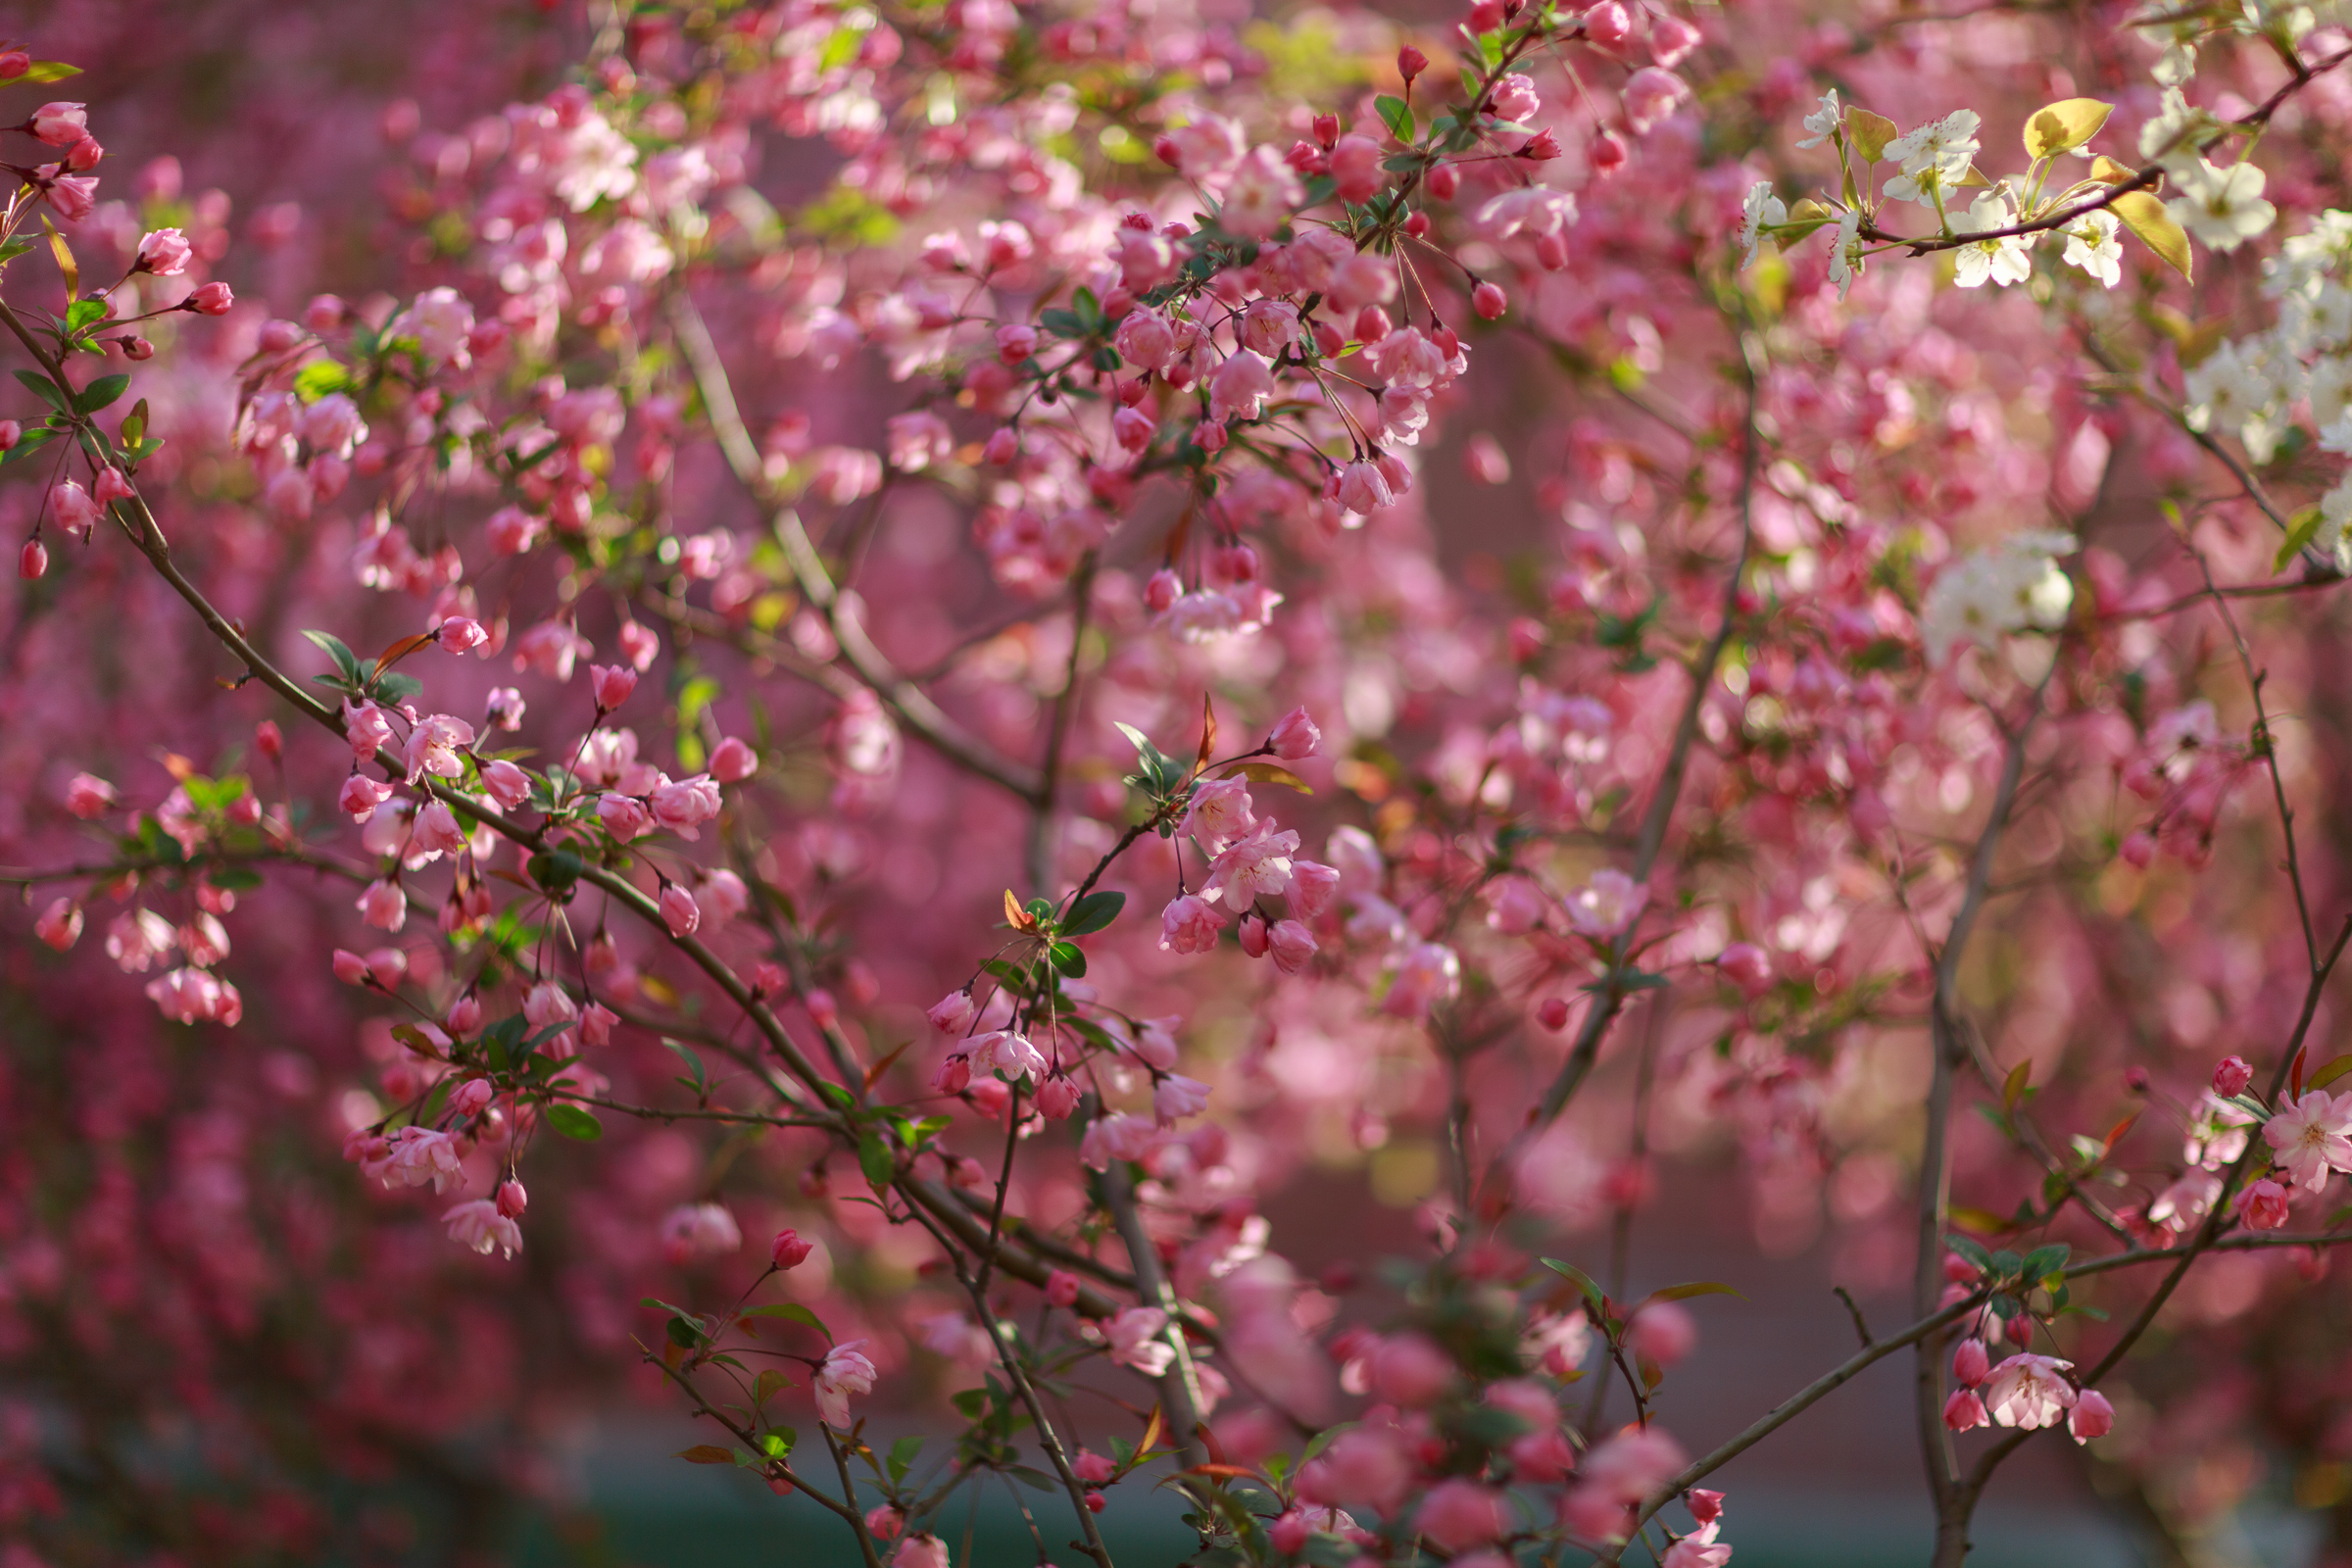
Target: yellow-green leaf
[[2330, 1074], [2107, 171], [65, 258], [2064, 125], [1804, 219], [706, 1453], [2143, 214], [2013, 1087], [2306, 525], [1870, 133], [1267, 773]]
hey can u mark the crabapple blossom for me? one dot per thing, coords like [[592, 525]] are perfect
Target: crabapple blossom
[[845, 1371], [2028, 1391], [2311, 1136]]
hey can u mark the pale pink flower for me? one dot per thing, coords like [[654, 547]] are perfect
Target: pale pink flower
[[436, 830], [1360, 487], [1607, 905], [2028, 1391], [550, 648], [1116, 1136], [1259, 197], [462, 634], [1964, 1412], [1663, 1331], [611, 684], [680, 910], [1367, 1466], [952, 1012], [61, 125], [1356, 168], [1176, 1097], [204, 939], [510, 785], [2311, 1136], [137, 939], [434, 747], [479, 1225], [1134, 1340], [1411, 1370], [1189, 924], [1255, 866], [186, 995], [723, 896], [1970, 1365], [623, 816], [547, 1003], [884, 1521], [846, 1371], [1009, 1053], [1423, 975], [1240, 387], [1091, 1467], [421, 1156], [1651, 95], [683, 806], [1220, 812], [1515, 906]]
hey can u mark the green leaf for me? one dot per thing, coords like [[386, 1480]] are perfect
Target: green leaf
[[873, 1159], [901, 1458], [345, 660], [1066, 957], [1093, 912], [48, 71], [1584, 1281], [46, 390], [1684, 1293], [2013, 1087], [1396, 114], [34, 440], [779, 1442], [82, 312], [2330, 1074], [2301, 527], [101, 392], [767, 1385], [2144, 215], [574, 1121], [1973, 1250], [1061, 323], [2044, 1261], [685, 1332], [791, 1313], [318, 378], [706, 1454]]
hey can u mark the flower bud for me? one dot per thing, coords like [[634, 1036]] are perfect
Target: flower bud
[[163, 252], [2091, 1417], [32, 560], [1964, 1410], [612, 685], [1608, 25], [511, 1198], [11, 432], [1971, 1363], [2232, 1076], [1255, 937], [1489, 301], [680, 910], [1552, 1013], [789, 1250], [1294, 736], [1411, 63], [1442, 183], [213, 298], [1061, 1288]]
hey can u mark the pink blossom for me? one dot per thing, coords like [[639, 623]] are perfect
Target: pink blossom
[[1515, 906], [1965, 1412], [700, 1229], [212, 299], [732, 762], [846, 1371], [1061, 1289], [1259, 196], [921, 1552], [510, 785], [1422, 976], [1189, 924], [1255, 866], [163, 252], [624, 818], [1116, 1136], [1970, 1365], [1144, 339], [480, 1225], [1091, 1467], [88, 796], [790, 1249], [1220, 812], [2091, 1417], [1239, 389], [1663, 1331], [32, 560], [1175, 1098], [611, 684], [2231, 1076], [2028, 1391], [2311, 1136], [684, 806], [1459, 1513], [1134, 1340], [884, 1521], [1356, 168], [424, 1156], [61, 125], [436, 830], [1294, 736], [1360, 487], [461, 635], [1410, 1370], [2261, 1207], [1056, 1098], [1293, 946], [1651, 95], [384, 906], [1367, 1466], [1607, 905], [59, 925], [434, 747], [680, 910], [75, 512]]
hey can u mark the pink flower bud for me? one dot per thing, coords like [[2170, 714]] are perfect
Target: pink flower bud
[[1255, 937], [464, 1014], [88, 796], [1294, 736], [883, 1522], [1091, 1467], [512, 1200], [732, 762], [789, 1250], [85, 154], [462, 634], [61, 125], [1057, 1098], [2139, 849], [75, 512], [1489, 301], [1015, 342], [1326, 127], [1971, 1363], [2232, 1076], [471, 1097], [361, 797], [612, 685], [1663, 1331], [1608, 25], [1162, 590], [163, 252], [2091, 1417], [1552, 1013], [350, 967], [1442, 183], [1410, 62], [11, 432], [14, 63], [1964, 1410], [1745, 965], [32, 560], [680, 910], [1486, 16], [1003, 445], [213, 298], [59, 925], [1061, 1288], [268, 740]]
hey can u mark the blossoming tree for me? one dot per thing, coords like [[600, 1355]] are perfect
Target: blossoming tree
[[1016, 752]]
